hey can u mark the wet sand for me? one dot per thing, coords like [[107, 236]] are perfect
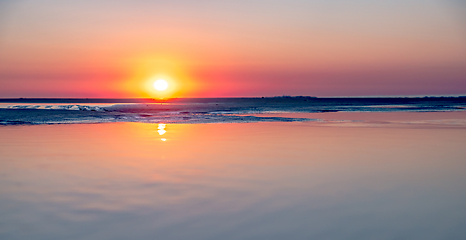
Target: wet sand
[[290, 180]]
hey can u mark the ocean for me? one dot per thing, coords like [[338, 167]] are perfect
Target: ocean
[[247, 168], [206, 110]]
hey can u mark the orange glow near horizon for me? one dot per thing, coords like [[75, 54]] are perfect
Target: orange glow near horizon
[[150, 86], [145, 71], [203, 49]]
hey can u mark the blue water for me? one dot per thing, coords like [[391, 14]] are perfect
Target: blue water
[[206, 110]]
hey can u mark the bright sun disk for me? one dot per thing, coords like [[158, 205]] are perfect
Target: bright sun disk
[[160, 85]]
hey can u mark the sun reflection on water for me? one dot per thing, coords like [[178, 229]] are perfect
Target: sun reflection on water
[[161, 130]]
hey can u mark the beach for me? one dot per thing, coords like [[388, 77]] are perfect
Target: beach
[[232, 120], [348, 176]]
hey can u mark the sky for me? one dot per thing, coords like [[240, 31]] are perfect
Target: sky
[[241, 48]]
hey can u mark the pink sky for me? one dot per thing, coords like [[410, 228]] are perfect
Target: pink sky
[[51, 48]]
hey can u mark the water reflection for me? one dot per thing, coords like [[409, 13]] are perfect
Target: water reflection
[[161, 130], [161, 127], [281, 181]]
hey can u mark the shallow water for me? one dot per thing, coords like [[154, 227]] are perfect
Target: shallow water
[[207, 110], [285, 180]]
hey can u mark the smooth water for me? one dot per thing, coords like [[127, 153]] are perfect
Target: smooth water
[[399, 179]]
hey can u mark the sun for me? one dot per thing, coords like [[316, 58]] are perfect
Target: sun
[[161, 85]]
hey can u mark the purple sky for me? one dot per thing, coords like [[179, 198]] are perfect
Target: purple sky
[[86, 48]]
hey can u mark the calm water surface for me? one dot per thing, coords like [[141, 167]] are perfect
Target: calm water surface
[[301, 180]]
